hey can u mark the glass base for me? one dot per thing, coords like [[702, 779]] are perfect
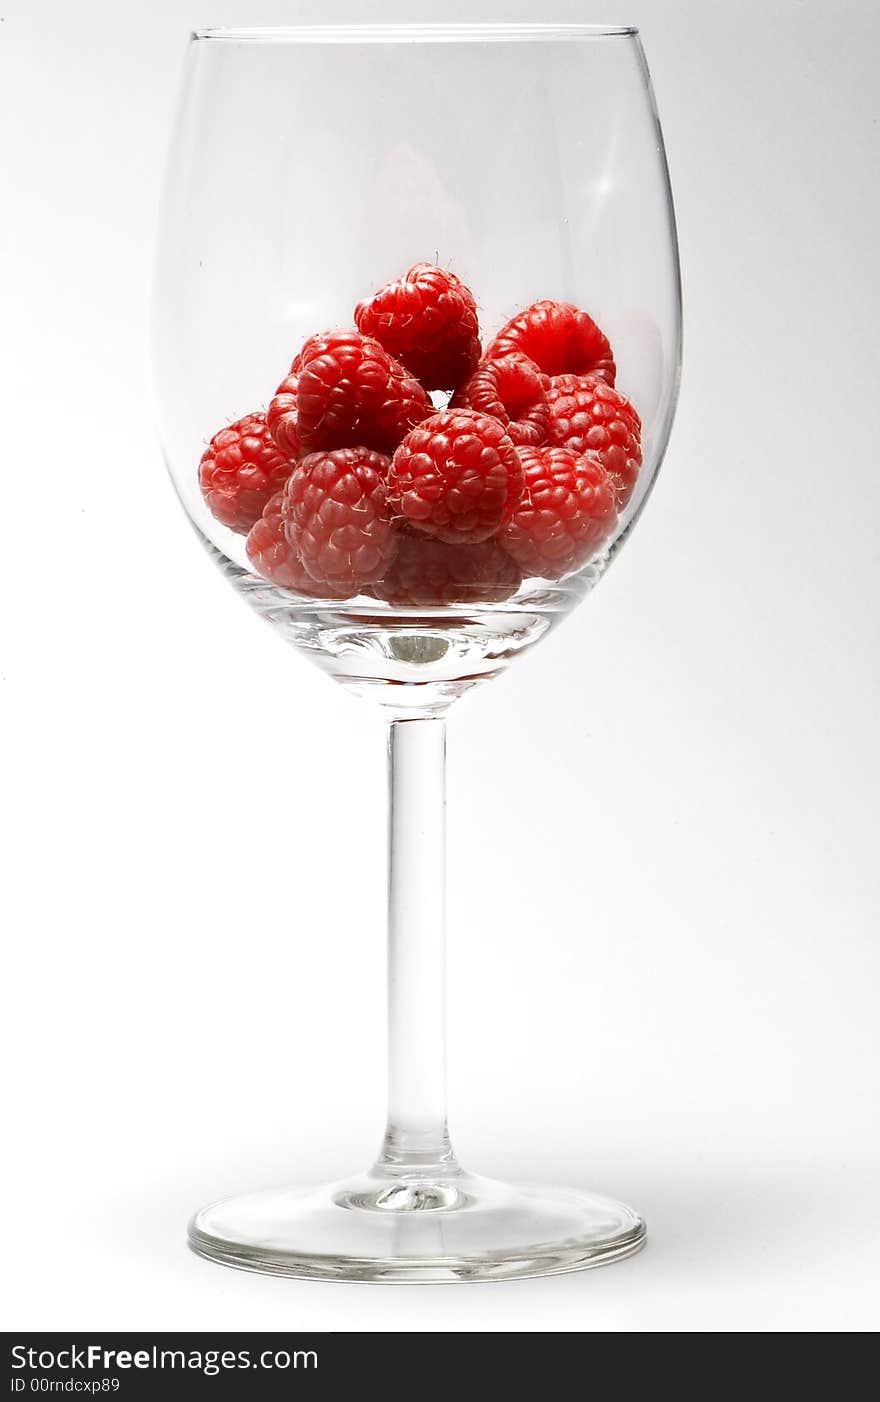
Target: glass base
[[387, 1226]]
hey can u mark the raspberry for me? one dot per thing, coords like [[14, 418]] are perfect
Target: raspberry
[[239, 471], [428, 320], [318, 344], [456, 477], [281, 416], [512, 390], [567, 382], [567, 512], [271, 553], [351, 393], [586, 414], [560, 339], [337, 520], [428, 573]]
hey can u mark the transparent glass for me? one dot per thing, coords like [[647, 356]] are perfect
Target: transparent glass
[[309, 167]]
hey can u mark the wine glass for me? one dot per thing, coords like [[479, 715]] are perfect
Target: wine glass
[[417, 344]]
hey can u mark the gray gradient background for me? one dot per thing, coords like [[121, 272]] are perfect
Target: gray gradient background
[[673, 996]]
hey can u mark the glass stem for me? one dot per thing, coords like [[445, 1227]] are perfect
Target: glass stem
[[416, 1136]]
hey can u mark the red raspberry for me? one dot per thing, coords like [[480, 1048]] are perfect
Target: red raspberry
[[281, 416], [567, 382], [351, 393], [512, 390], [428, 320], [271, 553], [560, 339], [456, 477], [240, 469], [426, 573], [566, 513], [337, 519], [586, 414], [318, 344]]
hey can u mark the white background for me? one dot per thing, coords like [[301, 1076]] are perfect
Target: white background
[[667, 989]]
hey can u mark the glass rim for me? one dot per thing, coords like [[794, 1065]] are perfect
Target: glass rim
[[412, 33]]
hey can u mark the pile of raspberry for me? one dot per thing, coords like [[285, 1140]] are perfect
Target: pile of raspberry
[[356, 482]]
